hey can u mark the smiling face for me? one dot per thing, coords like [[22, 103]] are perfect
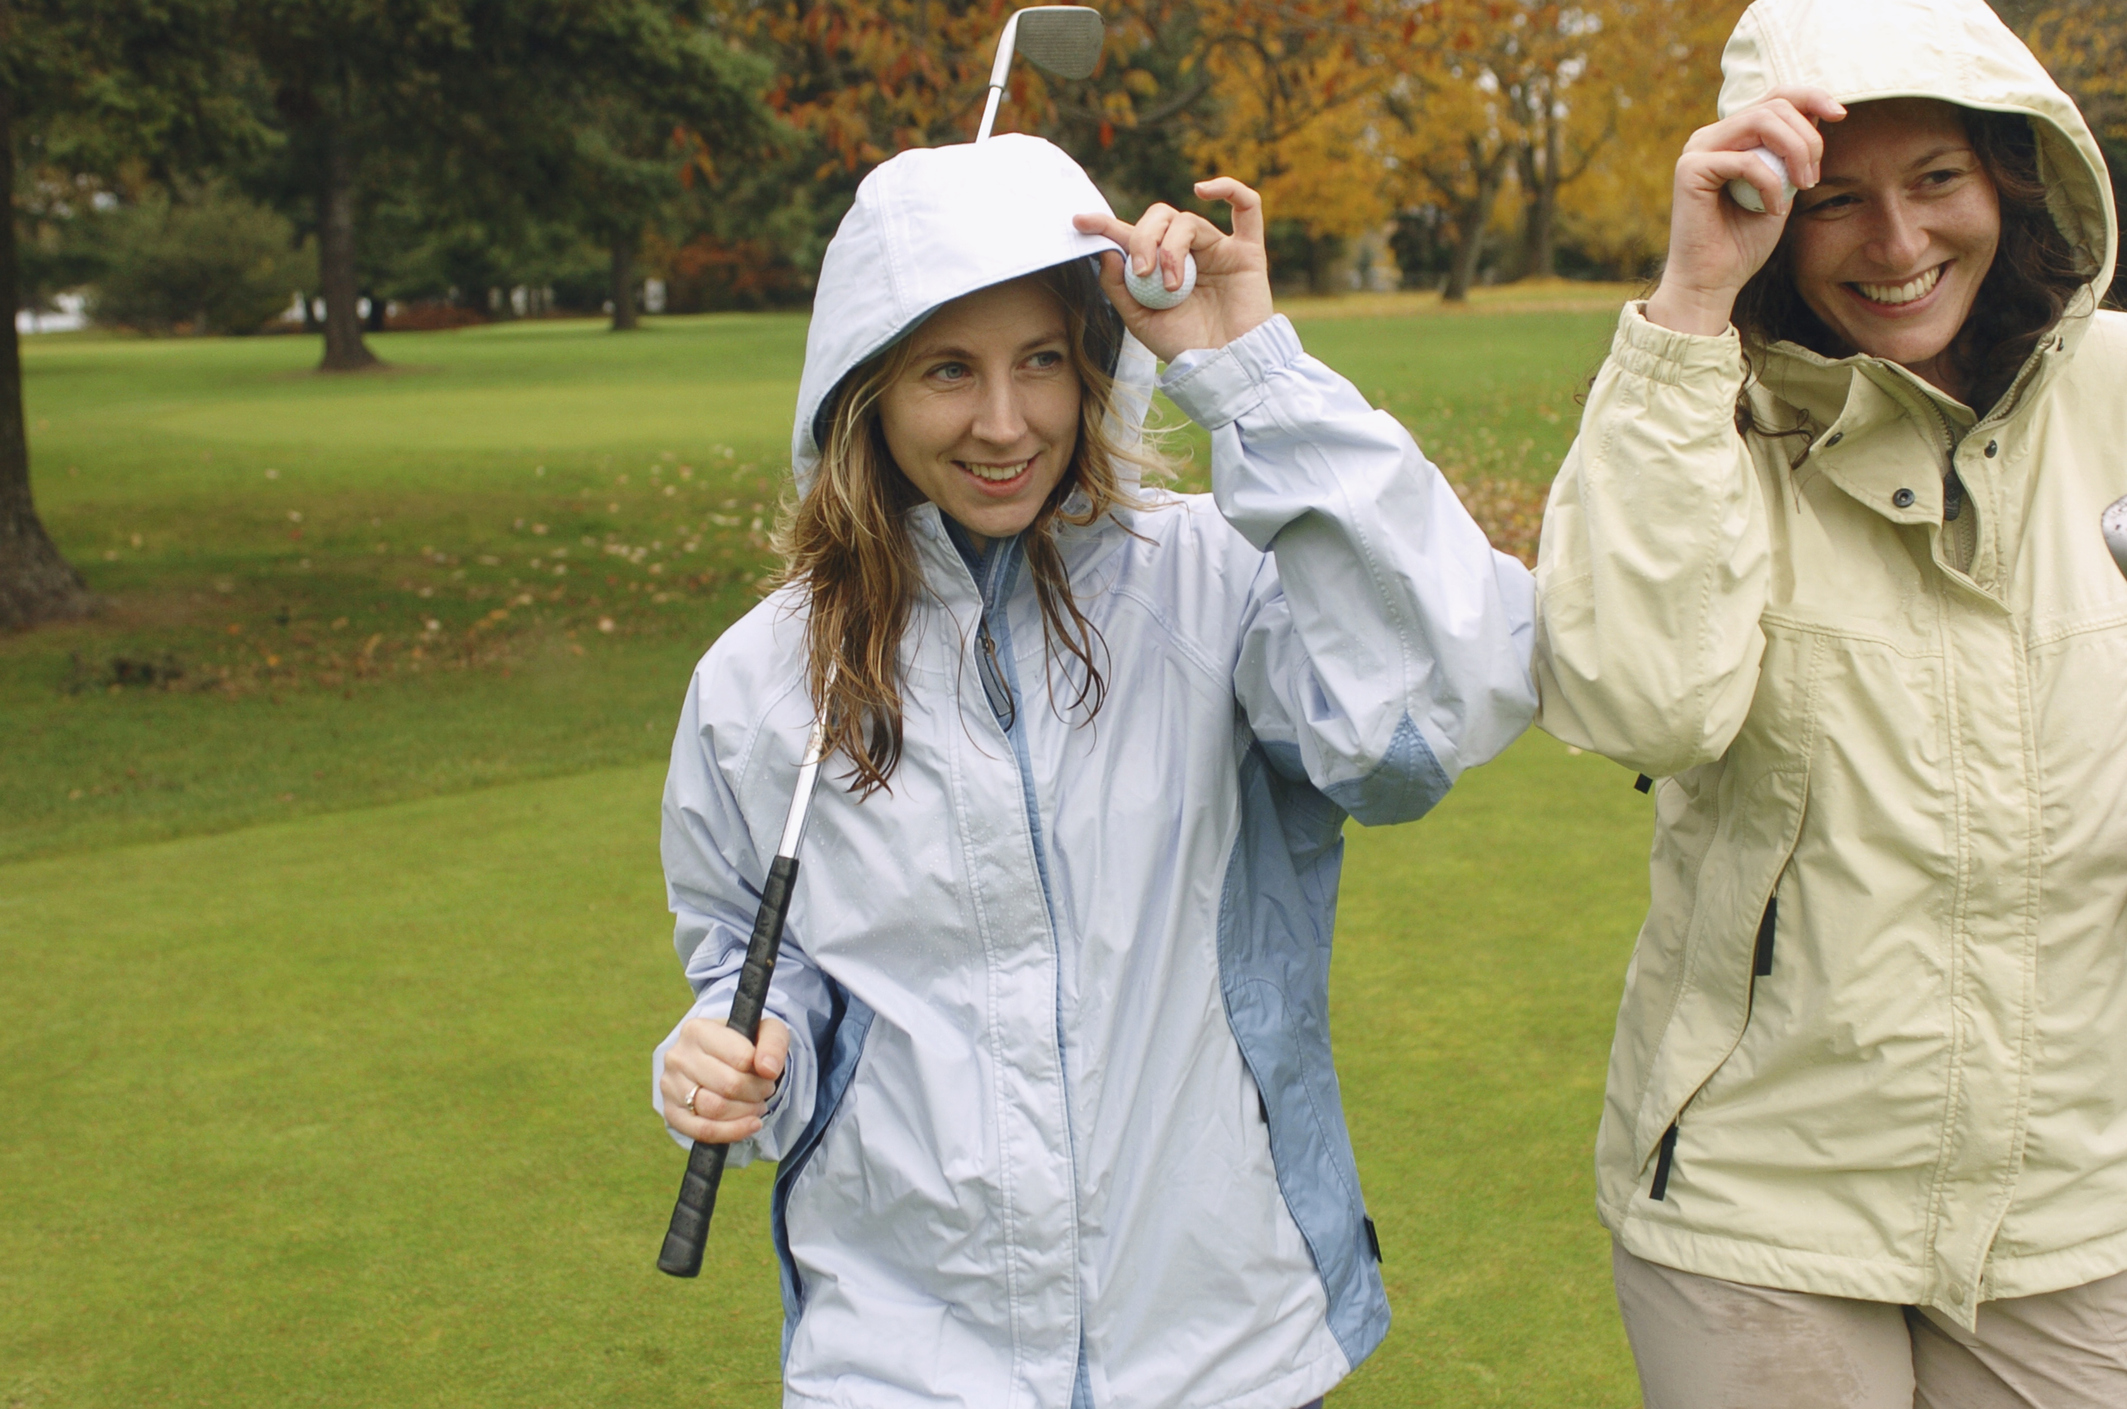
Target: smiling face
[[1890, 248], [983, 417]]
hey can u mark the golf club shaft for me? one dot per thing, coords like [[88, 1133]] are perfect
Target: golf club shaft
[[681, 1255], [688, 1233], [1000, 69]]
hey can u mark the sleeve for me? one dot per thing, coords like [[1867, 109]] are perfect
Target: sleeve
[[1384, 645], [1654, 564], [713, 873]]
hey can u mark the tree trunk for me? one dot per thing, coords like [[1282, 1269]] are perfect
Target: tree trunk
[[344, 349], [36, 584], [1528, 180], [1540, 216], [1470, 222], [624, 317]]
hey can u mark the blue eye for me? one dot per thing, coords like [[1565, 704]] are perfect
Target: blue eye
[[1046, 360], [950, 371]]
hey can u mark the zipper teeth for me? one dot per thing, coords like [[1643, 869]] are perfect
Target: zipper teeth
[[994, 571]]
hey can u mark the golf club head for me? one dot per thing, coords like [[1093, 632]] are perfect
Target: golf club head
[[2114, 522], [1062, 39]]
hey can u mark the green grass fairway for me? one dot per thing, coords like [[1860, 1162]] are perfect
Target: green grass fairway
[[497, 560], [332, 939], [352, 1110]]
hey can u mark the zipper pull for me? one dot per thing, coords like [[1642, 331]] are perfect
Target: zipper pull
[[993, 682]]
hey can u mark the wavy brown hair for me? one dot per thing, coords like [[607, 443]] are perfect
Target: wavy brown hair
[[846, 541], [2036, 274]]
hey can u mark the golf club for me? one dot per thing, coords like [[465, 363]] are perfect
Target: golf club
[[1066, 40], [1061, 39], [681, 1255]]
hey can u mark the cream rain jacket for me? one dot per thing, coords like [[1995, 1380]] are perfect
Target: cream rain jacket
[[1873, 1041], [1060, 1126]]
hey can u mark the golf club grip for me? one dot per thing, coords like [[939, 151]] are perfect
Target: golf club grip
[[688, 1234], [761, 950]]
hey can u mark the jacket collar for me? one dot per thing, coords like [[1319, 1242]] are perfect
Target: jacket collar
[[1875, 426]]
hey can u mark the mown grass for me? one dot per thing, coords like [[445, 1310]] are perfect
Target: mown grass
[[496, 561], [353, 1109], [329, 966]]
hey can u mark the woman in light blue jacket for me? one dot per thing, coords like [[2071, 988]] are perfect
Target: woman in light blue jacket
[[1047, 1058]]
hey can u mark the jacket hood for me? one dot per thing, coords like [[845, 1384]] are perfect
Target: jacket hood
[[929, 226], [1955, 50]]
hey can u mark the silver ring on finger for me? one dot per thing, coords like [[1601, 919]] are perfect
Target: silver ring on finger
[[690, 1100]]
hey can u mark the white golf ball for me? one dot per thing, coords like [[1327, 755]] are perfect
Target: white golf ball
[[1747, 196], [1151, 289]]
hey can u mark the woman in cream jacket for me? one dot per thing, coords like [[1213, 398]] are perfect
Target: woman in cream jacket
[[1825, 562]]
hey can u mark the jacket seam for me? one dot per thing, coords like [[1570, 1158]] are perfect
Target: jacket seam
[[1180, 643], [2068, 631], [1802, 626], [1405, 649]]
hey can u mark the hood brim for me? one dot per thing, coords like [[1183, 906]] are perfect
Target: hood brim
[[935, 224], [1954, 51]]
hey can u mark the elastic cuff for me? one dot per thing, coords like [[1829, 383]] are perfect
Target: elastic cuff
[[1217, 386], [1665, 355]]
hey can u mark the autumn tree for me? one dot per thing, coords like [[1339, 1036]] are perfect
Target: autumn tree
[[1623, 77], [859, 80], [86, 85], [1451, 121]]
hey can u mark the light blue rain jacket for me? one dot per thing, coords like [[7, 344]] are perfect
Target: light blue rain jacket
[[1060, 1126]]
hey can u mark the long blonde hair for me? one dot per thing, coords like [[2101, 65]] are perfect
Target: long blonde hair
[[846, 542]]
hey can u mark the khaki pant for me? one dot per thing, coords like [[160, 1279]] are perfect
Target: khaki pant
[[1702, 1343]]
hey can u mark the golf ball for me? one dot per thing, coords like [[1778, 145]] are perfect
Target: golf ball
[[1151, 289], [1747, 196]]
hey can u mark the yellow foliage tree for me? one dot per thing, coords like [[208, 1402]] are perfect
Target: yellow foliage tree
[[1654, 81]]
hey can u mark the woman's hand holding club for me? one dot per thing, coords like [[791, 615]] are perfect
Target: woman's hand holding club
[[1233, 272], [717, 1084], [1715, 245]]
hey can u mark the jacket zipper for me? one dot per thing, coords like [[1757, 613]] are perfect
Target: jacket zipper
[[1659, 1189], [1004, 706], [1962, 540]]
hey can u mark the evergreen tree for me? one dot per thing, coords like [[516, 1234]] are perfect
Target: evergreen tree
[[84, 86]]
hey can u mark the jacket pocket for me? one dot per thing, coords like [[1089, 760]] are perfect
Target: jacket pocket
[[1759, 803], [841, 1053]]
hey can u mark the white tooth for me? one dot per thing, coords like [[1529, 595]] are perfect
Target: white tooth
[[1916, 288]]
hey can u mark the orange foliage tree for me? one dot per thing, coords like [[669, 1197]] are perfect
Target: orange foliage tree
[[1295, 86], [1344, 112], [1542, 96]]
